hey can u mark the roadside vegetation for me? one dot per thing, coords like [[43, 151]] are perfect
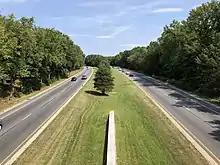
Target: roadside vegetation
[[187, 54], [32, 57], [7, 103], [143, 134]]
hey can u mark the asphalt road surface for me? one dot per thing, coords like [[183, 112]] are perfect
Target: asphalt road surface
[[20, 122], [199, 117]]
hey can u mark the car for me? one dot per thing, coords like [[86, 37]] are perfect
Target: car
[[84, 77], [127, 73], [131, 75], [1, 125], [73, 78]]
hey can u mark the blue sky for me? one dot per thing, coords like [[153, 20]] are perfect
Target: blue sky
[[103, 26]]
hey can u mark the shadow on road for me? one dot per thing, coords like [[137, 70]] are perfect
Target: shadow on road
[[216, 133], [147, 83], [95, 93], [183, 100], [186, 102]]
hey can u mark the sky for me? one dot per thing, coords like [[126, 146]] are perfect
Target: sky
[[103, 26]]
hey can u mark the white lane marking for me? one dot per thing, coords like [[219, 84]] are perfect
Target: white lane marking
[[17, 110], [187, 109], [14, 125], [187, 95], [48, 102], [208, 155], [26, 117], [67, 87], [47, 91], [27, 142]]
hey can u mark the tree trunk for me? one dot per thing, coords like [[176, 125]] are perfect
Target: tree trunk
[[103, 92], [12, 88]]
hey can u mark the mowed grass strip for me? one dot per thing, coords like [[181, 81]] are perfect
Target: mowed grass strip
[[143, 134]]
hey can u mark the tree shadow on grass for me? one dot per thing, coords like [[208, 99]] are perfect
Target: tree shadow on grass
[[95, 93], [104, 162]]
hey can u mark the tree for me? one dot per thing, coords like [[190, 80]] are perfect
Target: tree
[[103, 80], [31, 57], [93, 60], [186, 54]]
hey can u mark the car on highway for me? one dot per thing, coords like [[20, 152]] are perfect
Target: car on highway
[[1, 125], [131, 75], [84, 77], [73, 78], [127, 73]]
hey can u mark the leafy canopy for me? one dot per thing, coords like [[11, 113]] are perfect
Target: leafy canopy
[[103, 80], [187, 53]]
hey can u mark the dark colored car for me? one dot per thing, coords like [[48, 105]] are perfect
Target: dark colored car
[[84, 77], [1, 125], [74, 79], [131, 75]]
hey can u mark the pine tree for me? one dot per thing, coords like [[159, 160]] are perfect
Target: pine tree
[[104, 81]]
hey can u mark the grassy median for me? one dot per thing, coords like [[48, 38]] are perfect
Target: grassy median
[[143, 135]]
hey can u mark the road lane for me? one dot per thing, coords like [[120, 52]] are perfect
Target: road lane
[[23, 122], [200, 119]]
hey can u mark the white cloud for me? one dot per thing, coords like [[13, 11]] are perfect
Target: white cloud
[[57, 18], [79, 35], [165, 10], [110, 36], [132, 45], [117, 31], [99, 3], [145, 7], [97, 19]]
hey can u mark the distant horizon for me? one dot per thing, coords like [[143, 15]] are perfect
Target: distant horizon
[[103, 27]]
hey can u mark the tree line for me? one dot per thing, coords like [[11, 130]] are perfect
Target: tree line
[[94, 60], [187, 53], [31, 56]]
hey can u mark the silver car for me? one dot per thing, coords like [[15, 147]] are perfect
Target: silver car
[[84, 77]]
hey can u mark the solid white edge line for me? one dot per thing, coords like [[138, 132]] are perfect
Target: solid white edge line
[[186, 94], [43, 93], [180, 90], [111, 147], [28, 141], [205, 152]]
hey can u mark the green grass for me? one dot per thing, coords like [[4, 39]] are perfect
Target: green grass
[[143, 134], [6, 103]]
